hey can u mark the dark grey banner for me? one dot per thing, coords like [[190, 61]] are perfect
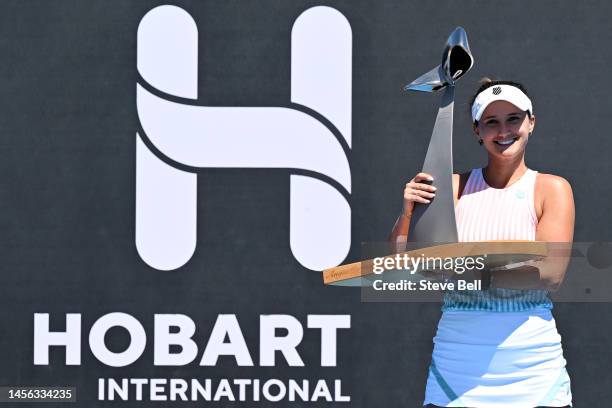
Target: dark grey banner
[[175, 177]]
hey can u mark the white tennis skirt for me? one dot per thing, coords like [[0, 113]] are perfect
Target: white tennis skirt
[[498, 359]]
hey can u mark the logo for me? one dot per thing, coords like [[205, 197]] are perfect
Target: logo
[[177, 137], [496, 90]]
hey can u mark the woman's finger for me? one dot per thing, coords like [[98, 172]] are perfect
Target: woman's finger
[[424, 194], [423, 177], [416, 198], [420, 193], [421, 186]]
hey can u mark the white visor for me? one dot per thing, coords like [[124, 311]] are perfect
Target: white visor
[[506, 93]]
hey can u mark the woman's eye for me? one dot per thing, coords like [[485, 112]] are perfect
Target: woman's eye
[[491, 122], [513, 119]]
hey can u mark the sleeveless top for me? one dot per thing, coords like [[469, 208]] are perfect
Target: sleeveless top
[[485, 213]]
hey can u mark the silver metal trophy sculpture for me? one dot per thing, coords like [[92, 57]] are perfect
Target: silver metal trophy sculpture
[[435, 222]]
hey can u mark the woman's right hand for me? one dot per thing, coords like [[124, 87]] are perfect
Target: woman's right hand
[[417, 191]]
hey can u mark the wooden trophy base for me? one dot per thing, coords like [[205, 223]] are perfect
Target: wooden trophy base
[[495, 254]]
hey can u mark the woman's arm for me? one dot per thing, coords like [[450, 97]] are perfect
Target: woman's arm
[[555, 226], [399, 234]]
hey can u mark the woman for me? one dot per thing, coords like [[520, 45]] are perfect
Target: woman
[[500, 347]]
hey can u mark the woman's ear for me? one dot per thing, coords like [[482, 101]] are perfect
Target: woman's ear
[[532, 123]]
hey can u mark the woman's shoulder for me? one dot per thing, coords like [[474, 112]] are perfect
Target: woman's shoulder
[[552, 183], [550, 188]]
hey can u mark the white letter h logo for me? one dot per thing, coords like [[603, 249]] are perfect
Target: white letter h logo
[[179, 130]]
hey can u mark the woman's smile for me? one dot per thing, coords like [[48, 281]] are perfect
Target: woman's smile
[[506, 142]]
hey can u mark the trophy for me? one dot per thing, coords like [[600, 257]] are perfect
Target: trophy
[[435, 222]]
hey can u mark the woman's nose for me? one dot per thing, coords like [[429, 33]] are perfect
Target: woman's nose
[[504, 131]]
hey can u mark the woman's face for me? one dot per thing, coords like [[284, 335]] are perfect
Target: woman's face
[[504, 129]]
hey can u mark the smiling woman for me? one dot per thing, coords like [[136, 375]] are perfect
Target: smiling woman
[[500, 347]]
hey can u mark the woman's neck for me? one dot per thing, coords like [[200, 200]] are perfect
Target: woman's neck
[[501, 174]]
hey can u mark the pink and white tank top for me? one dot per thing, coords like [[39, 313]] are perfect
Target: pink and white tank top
[[485, 213]]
